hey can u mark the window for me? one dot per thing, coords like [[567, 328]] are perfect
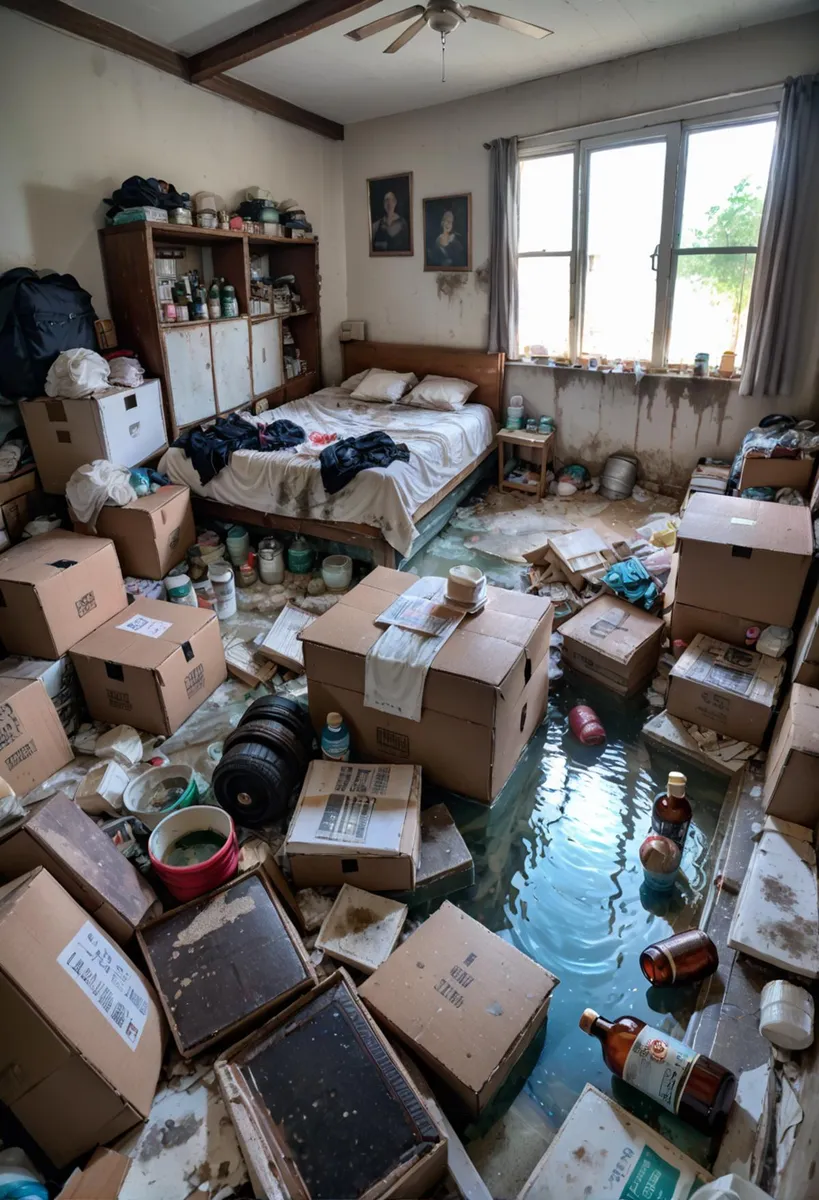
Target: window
[[643, 245]]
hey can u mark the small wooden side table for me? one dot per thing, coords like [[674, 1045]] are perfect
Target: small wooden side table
[[542, 442]]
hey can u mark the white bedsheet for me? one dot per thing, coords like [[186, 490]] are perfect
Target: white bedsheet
[[288, 483]]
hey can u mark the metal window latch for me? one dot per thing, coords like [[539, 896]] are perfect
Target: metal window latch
[[654, 257]]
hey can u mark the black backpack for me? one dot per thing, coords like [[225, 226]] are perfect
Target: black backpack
[[39, 318]]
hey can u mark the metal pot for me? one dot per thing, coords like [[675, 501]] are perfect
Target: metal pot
[[619, 477]]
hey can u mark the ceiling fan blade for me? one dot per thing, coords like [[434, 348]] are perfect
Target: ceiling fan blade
[[406, 36], [512, 23], [365, 31]]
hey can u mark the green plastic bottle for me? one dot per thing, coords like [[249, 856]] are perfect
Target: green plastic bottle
[[214, 301]]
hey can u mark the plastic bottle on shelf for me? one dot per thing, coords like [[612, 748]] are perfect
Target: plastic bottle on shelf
[[694, 1087], [214, 301], [335, 739], [683, 958], [229, 303], [671, 814]]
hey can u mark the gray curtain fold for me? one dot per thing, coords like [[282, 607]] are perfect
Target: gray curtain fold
[[504, 194], [780, 320]]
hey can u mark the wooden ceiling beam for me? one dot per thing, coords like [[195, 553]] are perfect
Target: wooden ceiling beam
[[80, 24], [299, 22]]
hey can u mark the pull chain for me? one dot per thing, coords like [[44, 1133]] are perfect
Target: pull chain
[[443, 58]]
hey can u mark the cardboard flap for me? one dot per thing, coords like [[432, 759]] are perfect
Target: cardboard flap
[[43, 558], [750, 524]]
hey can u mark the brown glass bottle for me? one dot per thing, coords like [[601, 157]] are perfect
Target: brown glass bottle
[[671, 814], [683, 958], [691, 1085]]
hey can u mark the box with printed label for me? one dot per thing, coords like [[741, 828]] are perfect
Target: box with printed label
[[613, 643], [725, 688], [124, 425], [58, 835], [484, 692], [464, 1000], [81, 1038], [151, 666], [602, 1152], [33, 744], [792, 767], [356, 823], [56, 588], [746, 558], [151, 534]]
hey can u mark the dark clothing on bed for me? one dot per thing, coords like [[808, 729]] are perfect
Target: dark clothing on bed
[[209, 449], [341, 461]]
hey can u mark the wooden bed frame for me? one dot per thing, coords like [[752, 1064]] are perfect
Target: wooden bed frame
[[486, 370]]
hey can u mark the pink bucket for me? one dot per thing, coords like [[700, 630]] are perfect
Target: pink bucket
[[186, 883]]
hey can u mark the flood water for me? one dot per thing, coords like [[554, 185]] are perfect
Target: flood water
[[558, 876]]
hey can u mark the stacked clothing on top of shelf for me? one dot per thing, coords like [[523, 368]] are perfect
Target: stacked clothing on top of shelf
[[210, 449], [342, 461]]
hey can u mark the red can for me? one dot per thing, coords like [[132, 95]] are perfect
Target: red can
[[586, 725]]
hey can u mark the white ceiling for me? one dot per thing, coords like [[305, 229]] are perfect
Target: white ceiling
[[354, 81]]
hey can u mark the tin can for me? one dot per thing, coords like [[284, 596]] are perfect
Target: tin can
[[701, 365]]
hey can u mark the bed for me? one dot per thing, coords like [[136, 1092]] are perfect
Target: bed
[[379, 511]]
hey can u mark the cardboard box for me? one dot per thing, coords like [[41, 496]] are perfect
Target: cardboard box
[[613, 643], [151, 534], [746, 558], [151, 666], [485, 692], [33, 744], [81, 1037], [721, 687], [60, 680], [806, 656], [21, 500], [58, 835], [463, 999], [796, 473], [580, 555], [56, 588], [101, 1179], [792, 767], [356, 824], [602, 1152], [124, 425], [18, 484], [687, 621]]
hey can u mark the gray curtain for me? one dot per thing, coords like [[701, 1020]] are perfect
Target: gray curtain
[[781, 319], [504, 190]]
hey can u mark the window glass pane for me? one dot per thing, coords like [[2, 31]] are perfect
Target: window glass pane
[[625, 211], [544, 304], [710, 312], [726, 174], [546, 190]]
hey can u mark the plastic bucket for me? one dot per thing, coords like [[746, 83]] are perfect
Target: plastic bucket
[[140, 791], [188, 882]]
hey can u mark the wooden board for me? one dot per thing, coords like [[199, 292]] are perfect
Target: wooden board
[[485, 370], [776, 917]]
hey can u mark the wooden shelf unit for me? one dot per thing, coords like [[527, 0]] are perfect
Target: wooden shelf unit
[[209, 368]]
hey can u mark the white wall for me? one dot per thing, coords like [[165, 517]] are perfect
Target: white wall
[[668, 422], [78, 119]]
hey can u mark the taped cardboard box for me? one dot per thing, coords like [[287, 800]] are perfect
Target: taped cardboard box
[[56, 589], [59, 836], [746, 558], [81, 1037], [806, 657], [792, 767], [358, 824], [485, 693], [151, 534], [613, 643], [151, 666], [602, 1152], [463, 1000], [724, 688], [33, 744]]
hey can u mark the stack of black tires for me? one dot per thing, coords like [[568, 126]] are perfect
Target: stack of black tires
[[264, 761]]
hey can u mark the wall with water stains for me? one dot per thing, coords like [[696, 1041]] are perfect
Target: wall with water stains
[[667, 422]]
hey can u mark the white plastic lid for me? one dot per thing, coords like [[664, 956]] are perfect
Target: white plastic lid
[[676, 783], [786, 1015]]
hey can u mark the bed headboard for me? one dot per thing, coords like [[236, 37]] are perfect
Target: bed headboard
[[486, 370]]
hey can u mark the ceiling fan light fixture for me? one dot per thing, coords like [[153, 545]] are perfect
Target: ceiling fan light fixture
[[443, 22]]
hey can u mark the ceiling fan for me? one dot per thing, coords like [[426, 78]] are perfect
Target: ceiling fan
[[444, 17]]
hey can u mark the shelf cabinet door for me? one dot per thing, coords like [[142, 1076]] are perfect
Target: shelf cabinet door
[[230, 341], [267, 355], [190, 374]]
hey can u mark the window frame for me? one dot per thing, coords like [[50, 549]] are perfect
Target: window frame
[[676, 134]]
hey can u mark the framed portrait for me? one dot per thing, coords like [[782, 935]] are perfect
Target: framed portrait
[[389, 201], [448, 233]]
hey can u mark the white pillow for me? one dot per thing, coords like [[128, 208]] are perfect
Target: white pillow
[[352, 383], [384, 386], [438, 391]]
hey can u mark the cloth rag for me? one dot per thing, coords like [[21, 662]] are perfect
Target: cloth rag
[[96, 484], [75, 374], [210, 449], [632, 581], [342, 461]]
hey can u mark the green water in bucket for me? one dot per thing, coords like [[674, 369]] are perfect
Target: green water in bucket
[[195, 848]]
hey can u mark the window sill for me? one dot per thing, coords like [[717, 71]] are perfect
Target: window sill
[[523, 362]]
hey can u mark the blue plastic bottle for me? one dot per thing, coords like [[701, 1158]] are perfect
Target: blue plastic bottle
[[335, 739]]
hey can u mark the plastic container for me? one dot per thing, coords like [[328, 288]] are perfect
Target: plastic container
[[586, 725], [180, 590], [335, 739], [465, 585], [18, 1178], [206, 837], [101, 791], [660, 859], [299, 557], [238, 545], [221, 577], [514, 413], [337, 572], [786, 1015], [159, 791], [271, 561]]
